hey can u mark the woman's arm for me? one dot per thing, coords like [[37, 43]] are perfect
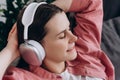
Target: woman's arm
[[63, 4], [10, 52], [89, 18]]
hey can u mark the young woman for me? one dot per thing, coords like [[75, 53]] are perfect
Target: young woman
[[68, 56]]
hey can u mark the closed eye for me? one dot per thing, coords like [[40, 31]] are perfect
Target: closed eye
[[62, 35]]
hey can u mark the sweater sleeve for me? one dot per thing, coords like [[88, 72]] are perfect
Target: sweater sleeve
[[19, 74], [89, 18]]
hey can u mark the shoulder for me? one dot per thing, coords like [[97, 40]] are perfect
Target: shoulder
[[14, 73]]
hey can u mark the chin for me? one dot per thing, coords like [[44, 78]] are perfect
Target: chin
[[72, 56]]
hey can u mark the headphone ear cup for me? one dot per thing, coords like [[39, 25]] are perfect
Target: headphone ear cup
[[32, 52]]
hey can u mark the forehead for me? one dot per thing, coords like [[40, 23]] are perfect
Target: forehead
[[58, 22]]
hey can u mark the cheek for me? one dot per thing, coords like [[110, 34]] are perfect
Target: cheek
[[56, 50], [57, 47]]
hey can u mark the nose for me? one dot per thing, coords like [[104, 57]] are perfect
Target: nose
[[73, 38]]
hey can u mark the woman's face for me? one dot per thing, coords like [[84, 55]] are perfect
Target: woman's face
[[59, 43]]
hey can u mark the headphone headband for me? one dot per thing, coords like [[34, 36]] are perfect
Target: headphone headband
[[28, 16]]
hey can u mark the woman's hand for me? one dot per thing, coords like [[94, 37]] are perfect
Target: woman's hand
[[12, 44], [10, 52]]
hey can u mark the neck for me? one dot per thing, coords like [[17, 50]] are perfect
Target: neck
[[54, 66]]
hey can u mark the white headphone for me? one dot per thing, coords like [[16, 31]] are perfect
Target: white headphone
[[31, 51]]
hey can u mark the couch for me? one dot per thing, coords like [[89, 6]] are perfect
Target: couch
[[111, 33]]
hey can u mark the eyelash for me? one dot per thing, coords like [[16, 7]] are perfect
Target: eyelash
[[64, 35]]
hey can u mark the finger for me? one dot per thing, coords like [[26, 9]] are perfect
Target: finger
[[13, 28], [13, 34], [13, 31]]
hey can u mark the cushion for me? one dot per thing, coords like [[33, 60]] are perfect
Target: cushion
[[111, 42]]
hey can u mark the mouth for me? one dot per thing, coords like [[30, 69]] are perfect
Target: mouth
[[71, 49]]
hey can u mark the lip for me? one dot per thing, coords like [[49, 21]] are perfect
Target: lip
[[71, 50]]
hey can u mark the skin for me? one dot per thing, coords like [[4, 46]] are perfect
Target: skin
[[59, 43], [10, 52]]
